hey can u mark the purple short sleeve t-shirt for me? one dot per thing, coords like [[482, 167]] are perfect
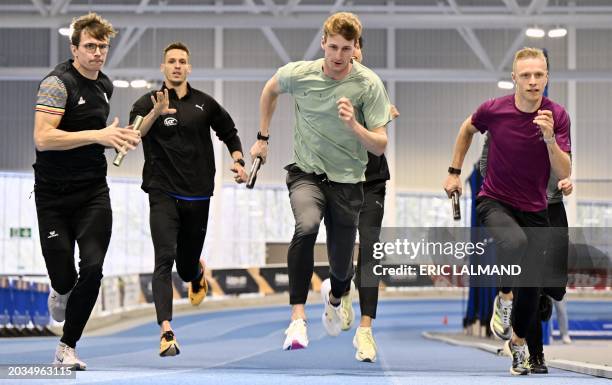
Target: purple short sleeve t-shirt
[[518, 164]]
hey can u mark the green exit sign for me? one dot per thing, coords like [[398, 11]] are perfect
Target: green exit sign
[[21, 232]]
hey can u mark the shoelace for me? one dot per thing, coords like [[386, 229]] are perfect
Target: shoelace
[[295, 325], [506, 312], [168, 336], [519, 354], [70, 353], [368, 337], [62, 353]]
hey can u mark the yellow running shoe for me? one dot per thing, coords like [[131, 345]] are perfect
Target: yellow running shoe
[[365, 345], [168, 346], [197, 292], [500, 323], [348, 314]]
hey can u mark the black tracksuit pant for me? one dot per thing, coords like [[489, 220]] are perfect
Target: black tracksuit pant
[[559, 245], [70, 212], [516, 238], [370, 221], [178, 229]]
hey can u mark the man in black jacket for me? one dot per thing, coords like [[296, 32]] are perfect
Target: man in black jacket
[[72, 200], [178, 175]]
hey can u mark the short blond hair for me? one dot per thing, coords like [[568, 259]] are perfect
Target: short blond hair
[[529, 53], [95, 26], [345, 24]]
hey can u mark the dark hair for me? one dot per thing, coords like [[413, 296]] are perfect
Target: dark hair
[[94, 25], [360, 41], [176, 45]]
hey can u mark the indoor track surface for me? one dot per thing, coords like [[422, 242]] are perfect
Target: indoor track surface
[[244, 347]]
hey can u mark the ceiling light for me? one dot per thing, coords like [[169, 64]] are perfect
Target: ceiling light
[[65, 31], [535, 32], [138, 83], [505, 84], [557, 32], [121, 83]]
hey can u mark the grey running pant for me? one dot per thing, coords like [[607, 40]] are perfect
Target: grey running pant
[[314, 197]]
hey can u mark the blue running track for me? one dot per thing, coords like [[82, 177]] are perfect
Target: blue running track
[[243, 347]]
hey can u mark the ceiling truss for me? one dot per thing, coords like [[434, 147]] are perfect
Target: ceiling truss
[[271, 17]]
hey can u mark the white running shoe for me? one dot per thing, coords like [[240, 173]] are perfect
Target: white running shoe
[[337, 318], [57, 304], [365, 345], [566, 339], [297, 337], [65, 355]]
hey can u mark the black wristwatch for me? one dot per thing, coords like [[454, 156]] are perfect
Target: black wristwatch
[[262, 137], [456, 171], [240, 162]]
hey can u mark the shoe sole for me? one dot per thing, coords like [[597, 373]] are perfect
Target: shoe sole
[[517, 373], [364, 359], [357, 357], [76, 367], [55, 317], [542, 372], [295, 345], [504, 337]]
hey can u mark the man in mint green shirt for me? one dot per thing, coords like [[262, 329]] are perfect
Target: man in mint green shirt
[[341, 110]]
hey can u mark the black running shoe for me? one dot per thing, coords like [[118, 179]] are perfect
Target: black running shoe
[[537, 364]]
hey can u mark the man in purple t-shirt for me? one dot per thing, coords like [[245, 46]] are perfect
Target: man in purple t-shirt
[[529, 136]]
